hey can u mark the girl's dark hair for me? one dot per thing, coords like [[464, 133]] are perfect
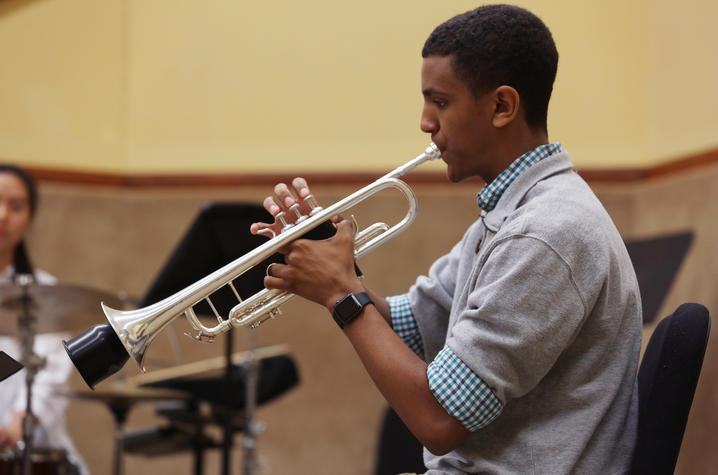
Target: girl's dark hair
[[21, 260]]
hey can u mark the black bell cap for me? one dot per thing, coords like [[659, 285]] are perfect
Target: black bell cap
[[97, 353]]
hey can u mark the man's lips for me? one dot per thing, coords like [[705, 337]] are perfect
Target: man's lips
[[443, 153]]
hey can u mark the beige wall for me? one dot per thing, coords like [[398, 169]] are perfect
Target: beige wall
[[62, 88], [169, 86]]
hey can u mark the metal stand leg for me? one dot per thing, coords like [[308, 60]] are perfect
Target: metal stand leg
[[198, 445], [120, 413], [227, 398], [32, 363], [249, 462]]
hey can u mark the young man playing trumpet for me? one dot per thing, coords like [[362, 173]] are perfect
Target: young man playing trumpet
[[518, 352]]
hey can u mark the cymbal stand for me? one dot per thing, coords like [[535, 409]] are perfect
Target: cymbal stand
[[32, 362]]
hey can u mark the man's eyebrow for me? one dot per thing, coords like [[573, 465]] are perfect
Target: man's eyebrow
[[430, 91]]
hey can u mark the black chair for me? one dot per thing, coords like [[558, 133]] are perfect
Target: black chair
[[667, 381], [399, 450]]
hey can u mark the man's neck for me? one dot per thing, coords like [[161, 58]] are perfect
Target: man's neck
[[512, 145]]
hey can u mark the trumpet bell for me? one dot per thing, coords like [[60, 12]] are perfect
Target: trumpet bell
[[97, 353]]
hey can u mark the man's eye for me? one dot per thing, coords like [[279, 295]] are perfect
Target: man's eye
[[440, 103]]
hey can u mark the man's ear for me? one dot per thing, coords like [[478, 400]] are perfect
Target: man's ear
[[506, 106]]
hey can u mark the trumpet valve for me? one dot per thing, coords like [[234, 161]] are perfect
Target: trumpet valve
[[295, 209], [280, 216], [315, 208]]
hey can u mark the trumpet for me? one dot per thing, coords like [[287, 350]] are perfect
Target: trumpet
[[102, 350]]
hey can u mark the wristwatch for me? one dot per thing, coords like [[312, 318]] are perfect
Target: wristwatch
[[348, 308]]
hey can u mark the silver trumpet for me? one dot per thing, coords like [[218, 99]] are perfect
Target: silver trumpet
[[136, 329]]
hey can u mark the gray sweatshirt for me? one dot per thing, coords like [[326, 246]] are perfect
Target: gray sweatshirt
[[548, 314]]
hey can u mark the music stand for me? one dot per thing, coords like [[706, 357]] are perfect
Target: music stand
[[656, 262], [8, 366], [219, 235]]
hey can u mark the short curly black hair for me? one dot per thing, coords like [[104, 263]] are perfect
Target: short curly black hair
[[495, 45]]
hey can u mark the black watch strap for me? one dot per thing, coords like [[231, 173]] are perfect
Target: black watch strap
[[348, 308]]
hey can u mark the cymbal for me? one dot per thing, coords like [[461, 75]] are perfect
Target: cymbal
[[56, 308], [207, 366]]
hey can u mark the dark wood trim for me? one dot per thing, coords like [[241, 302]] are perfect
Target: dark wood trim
[[218, 180], [613, 175], [672, 167], [698, 160]]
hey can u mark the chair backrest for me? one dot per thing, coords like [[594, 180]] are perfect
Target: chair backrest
[[667, 381]]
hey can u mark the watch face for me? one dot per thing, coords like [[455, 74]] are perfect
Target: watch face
[[347, 307]]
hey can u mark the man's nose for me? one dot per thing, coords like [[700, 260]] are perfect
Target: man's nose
[[428, 123]]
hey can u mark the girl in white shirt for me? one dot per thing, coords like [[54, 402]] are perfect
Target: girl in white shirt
[[18, 202]]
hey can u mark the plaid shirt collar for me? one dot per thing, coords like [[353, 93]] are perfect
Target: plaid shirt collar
[[491, 193]]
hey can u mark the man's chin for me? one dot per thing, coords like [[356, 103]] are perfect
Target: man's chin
[[453, 176]]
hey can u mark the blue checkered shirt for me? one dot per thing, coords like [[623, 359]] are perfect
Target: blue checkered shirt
[[458, 389], [404, 323], [491, 193]]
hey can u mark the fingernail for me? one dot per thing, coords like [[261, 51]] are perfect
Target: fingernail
[[303, 192], [274, 209], [288, 201]]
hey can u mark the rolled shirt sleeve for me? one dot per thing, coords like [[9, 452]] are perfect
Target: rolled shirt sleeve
[[404, 323], [461, 392]]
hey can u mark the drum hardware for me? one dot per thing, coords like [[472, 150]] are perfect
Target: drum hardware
[[164, 440], [119, 399], [189, 412], [28, 309], [42, 462], [235, 412], [32, 363]]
